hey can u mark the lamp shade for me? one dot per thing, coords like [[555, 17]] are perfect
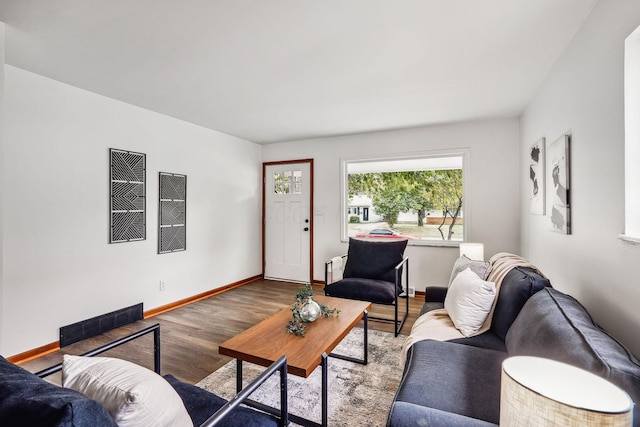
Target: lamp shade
[[543, 392], [474, 251]]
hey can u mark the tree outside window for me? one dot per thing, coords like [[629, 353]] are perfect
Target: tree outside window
[[418, 198]]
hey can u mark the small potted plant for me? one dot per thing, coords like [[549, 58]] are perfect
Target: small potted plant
[[306, 310]]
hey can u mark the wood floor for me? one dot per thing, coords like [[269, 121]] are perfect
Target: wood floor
[[190, 335]]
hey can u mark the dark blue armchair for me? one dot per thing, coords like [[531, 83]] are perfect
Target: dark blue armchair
[[26, 399], [373, 272]]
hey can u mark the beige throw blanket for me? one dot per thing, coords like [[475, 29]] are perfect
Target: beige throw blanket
[[433, 325], [501, 264], [437, 325]]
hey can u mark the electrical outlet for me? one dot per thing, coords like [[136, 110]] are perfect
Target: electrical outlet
[[163, 286], [412, 292]]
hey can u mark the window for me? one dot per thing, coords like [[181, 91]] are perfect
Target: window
[[632, 137], [417, 197], [287, 182]]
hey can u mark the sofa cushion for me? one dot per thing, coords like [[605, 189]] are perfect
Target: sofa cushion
[[201, 404], [375, 291], [453, 378], [481, 268], [485, 340], [554, 325], [374, 260], [28, 400], [468, 301], [517, 287], [404, 414]]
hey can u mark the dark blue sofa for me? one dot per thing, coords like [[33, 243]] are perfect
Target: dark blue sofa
[[457, 382]]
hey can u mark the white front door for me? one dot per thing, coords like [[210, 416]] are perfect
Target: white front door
[[287, 221]]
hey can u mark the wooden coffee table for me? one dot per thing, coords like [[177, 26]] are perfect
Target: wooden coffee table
[[265, 342]]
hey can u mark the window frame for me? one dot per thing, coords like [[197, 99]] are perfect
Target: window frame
[[631, 233], [430, 154]]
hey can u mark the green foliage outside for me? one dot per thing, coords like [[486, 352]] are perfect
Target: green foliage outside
[[416, 191], [354, 219], [280, 184]]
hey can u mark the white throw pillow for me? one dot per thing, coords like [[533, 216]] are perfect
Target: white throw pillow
[[469, 301], [134, 396]]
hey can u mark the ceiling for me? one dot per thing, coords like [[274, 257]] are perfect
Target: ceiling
[[281, 70]]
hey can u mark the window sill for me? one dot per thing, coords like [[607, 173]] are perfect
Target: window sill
[[629, 239], [424, 243]]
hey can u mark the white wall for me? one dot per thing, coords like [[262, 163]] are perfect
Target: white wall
[[493, 196], [583, 95], [58, 266]]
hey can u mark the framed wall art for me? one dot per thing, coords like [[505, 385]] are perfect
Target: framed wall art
[[536, 177], [127, 206], [172, 233], [558, 187]]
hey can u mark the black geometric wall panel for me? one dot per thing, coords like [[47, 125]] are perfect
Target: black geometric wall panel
[[128, 196], [172, 235], [99, 324]]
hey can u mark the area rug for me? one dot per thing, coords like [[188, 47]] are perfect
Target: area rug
[[359, 395]]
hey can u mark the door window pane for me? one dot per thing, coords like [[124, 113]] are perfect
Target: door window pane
[[287, 182], [280, 184]]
